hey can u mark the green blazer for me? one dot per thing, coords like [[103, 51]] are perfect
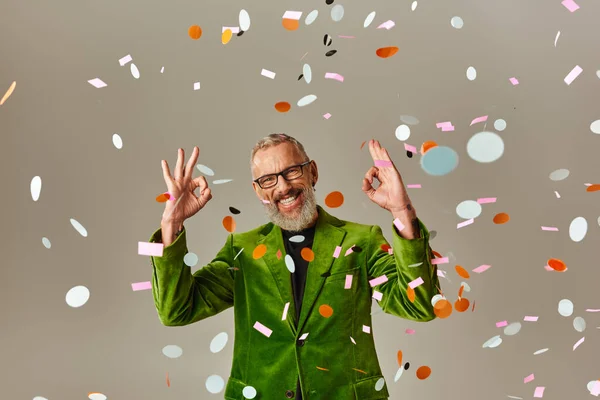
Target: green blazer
[[337, 360]]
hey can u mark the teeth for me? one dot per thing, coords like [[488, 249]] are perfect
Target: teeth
[[288, 200]]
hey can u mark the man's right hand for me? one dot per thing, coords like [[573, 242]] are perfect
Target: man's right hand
[[183, 203]]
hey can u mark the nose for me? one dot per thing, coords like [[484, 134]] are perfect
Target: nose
[[282, 186]]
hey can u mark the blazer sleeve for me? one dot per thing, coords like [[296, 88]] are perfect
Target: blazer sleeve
[[182, 298], [411, 260]]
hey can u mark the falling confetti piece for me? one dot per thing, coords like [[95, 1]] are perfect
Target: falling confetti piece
[[595, 126], [501, 218], [457, 22], [471, 73], [163, 197], [410, 293], [244, 20], [556, 38], [593, 188], [229, 224], [387, 25], [462, 304], [141, 286], [168, 380], [335, 76], [234, 210], [325, 311], [334, 199], [262, 329], [573, 74], [10, 90], [97, 83], [77, 296], [259, 251], [35, 187], [578, 229], [565, 307], [283, 106], [576, 345], [194, 31], [529, 318], [528, 379], [386, 52], [557, 265], [479, 119], [399, 358], [327, 116], [311, 17], [439, 161], [550, 228], [514, 81], [482, 268], [78, 227], [330, 53], [196, 85], [570, 5], [226, 36], [150, 249], [423, 372], [501, 324], [290, 20], [267, 73], [307, 254], [538, 352], [124, 60], [430, 144], [442, 308], [117, 141], [369, 19]]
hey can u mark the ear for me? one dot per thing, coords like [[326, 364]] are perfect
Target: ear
[[315, 172], [256, 190]]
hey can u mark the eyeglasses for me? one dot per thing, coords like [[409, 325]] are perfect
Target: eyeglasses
[[289, 174]]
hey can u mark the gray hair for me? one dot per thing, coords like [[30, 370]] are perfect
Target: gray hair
[[273, 140]]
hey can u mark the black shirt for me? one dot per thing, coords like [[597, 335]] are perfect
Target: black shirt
[[293, 248]]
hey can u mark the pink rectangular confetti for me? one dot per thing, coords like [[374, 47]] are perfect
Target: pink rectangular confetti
[[410, 148], [443, 124], [233, 29], [539, 392], [338, 250], [576, 345], [485, 200], [141, 286], [514, 81], [383, 163], [449, 128], [97, 83], [573, 74], [550, 228], [391, 251], [327, 116], [399, 225], [441, 273], [262, 329], [378, 281], [267, 73], [285, 311], [292, 15], [416, 283], [465, 223], [387, 25], [570, 5], [366, 329], [529, 318], [196, 85], [479, 119], [150, 249], [528, 378], [501, 324], [436, 261], [348, 284], [333, 75], [346, 37], [414, 186], [593, 310], [410, 331], [349, 251], [377, 295], [125, 60], [482, 268]]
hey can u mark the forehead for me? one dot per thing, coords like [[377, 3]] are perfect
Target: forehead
[[275, 159]]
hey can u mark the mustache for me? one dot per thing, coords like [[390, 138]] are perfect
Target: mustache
[[292, 193]]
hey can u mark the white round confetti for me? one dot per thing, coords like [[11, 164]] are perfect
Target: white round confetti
[[289, 263], [595, 126], [172, 351], [565, 307], [436, 298], [77, 296], [244, 20], [409, 119], [215, 384], [379, 384], [297, 239], [579, 324], [205, 170], [466, 286], [493, 342], [540, 351], [117, 141], [578, 229], [413, 6], [439, 160], [221, 181], [97, 396], [512, 329], [337, 12], [249, 392], [134, 71], [500, 125], [35, 187], [369, 19], [591, 384], [78, 227], [598, 221], [306, 100], [471, 73], [218, 343], [39, 398], [310, 18], [402, 132], [190, 259], [398, 374], [46, 242], [598, 74], [307, 73], [468, 209], [559, 174], [457, 22], [485, 147]]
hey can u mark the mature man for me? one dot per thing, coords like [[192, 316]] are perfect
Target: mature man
[[302, 285]]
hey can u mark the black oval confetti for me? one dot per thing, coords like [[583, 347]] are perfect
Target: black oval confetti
[[356, 249], [406, 366], [234, 210], [330, 53], [240, 33], [329, 2], [301, 76], [409, 154], [327, 40]]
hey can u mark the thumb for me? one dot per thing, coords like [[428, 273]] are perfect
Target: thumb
[[367, 188]]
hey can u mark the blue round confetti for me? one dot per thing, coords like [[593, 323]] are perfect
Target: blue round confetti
[[439, 160]]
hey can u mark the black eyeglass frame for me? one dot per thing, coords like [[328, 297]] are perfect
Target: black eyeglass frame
[[282, 174]]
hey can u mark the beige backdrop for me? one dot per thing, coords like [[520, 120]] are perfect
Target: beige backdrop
[[59, 127]]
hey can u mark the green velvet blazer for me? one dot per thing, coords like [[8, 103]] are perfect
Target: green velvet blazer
[[337, 359]]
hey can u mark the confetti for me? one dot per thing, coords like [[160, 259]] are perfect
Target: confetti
[[195, 32], [290, 20], [443, 260], [386, 52], [226, 36], [267, 73], [399, 225], [415, 186], [150, 249], [479, 119], [573, 74], [442, 308], [387, 25], [337, 251], [445, 126], [369, 19], [439, 161], [196, 85], [501, 218], [410, 148], [501, 324], [334, 199], [539, 392], [325, 311], [485, 147], [283, 106], [556, 38], [233, 29], [306, 100], [332, 75], [528, 379], [78, 227], [457, 22], [96, 82], [415, 283], [327, 116], [124, 60], [462, 272], [348, 283], [263, 329], [377, 295], [311, 17], [550, 228], [378, 281], [77, 296], [570, 5], [482, 268], [35, 188], [330, 53], [259, 251], [565, 307], [244, 20], [514, 81], [530, 318], [141, 286], [423, 372], [117, 141], [471, 73], [462, 305], [576, 345], [229, 224], [337, 13], [307, 254], [557, 265], [578, 229], [465, 223]]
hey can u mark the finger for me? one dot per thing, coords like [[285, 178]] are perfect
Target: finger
[[383, 153], [189, 168], [367, 188], [179, 166], [166, 173], [372, 172], [199, 182]]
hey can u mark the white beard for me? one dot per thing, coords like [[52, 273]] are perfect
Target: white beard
[[300, 220]]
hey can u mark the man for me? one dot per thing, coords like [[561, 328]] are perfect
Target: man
[[302, 285]]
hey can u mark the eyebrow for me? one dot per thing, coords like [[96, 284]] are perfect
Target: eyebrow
[[273, 173]]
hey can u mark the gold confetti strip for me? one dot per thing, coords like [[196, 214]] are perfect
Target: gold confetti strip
[[8, 92]]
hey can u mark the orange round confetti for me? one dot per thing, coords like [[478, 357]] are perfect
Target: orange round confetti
[[283, 106], [460, 291], [410, 292], [307, 254], [290, 24], [462, 272], [593, 188], [326, 311], [427, 145], [442, 308], [400, 358], [501, 218], [423, 372], [259, 251], [163, 197], [557, 265], [226, 36], [334, 199], [229, 224], [385, 52], [195, 32], [462, 305]]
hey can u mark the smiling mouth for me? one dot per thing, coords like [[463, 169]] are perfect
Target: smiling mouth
[[294, 203]]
